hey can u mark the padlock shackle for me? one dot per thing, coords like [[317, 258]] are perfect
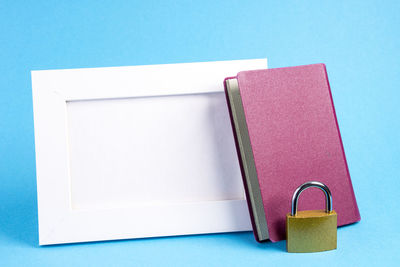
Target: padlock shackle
[[301, 188]]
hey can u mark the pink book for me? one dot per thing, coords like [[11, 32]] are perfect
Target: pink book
[[286, 134]]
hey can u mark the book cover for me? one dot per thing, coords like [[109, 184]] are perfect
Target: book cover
[[286, 133]]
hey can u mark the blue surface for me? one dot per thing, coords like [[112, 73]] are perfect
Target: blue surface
[[358, 40]]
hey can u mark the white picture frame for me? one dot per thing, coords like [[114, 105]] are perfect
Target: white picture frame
[[93, 125]]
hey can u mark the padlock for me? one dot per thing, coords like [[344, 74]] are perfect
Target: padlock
[[311, 230]]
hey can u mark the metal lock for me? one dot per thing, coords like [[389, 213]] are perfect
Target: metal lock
[[311, 230]]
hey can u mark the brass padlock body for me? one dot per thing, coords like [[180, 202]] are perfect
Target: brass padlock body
[[311, 231]]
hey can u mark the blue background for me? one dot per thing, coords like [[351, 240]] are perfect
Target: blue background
[[358, 40]]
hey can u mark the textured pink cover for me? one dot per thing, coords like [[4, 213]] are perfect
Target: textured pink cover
[[295, 138]]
